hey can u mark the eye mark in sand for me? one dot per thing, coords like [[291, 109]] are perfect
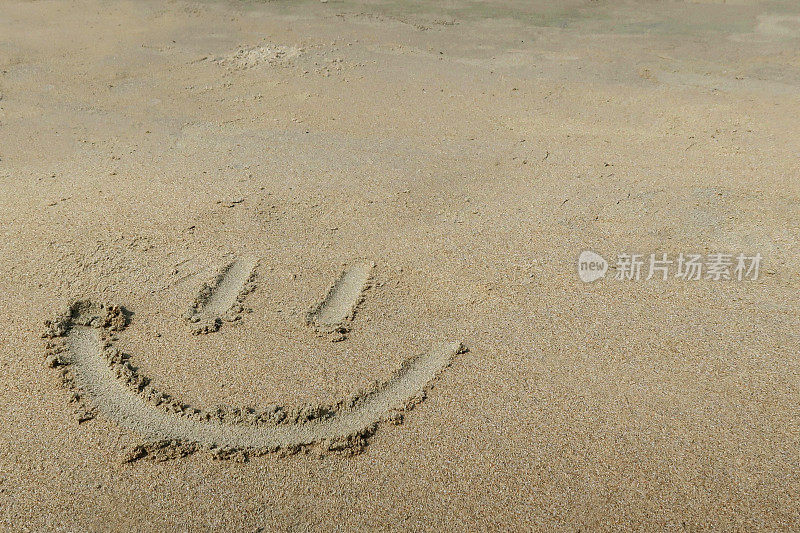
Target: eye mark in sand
[[222, 297], [335, 313], [102, 380]]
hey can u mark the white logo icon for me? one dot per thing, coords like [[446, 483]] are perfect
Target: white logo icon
[[591, 266]]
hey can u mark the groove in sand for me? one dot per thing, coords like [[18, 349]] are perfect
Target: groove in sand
[[222, 297], [335, 312], [112, 397], [103, 381]]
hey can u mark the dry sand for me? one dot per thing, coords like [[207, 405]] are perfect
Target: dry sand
[[338, 188]]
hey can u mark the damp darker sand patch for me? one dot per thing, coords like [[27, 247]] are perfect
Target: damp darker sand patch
[[103, 381], [222, 297], [335, 313]]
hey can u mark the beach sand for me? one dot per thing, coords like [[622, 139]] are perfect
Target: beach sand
[[332, 212]]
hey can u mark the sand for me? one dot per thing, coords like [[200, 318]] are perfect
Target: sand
[[367, 207], [335, 313], [103, 381]]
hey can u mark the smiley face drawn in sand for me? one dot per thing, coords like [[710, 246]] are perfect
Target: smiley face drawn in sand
[[81, 343]]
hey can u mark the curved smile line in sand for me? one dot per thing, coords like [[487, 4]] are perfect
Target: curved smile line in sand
[[103, 380]]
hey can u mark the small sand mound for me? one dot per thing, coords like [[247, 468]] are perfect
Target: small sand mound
[[245, 58]]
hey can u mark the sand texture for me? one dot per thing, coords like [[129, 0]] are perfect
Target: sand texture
[[102, 380], [313, 266]]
